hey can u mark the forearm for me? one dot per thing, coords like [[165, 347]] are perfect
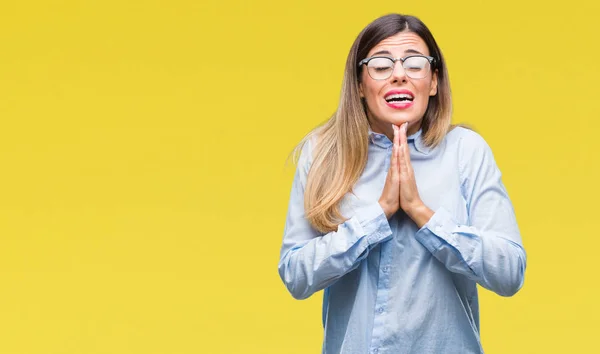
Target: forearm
[[420, 214], [488, 257], [312, 264]]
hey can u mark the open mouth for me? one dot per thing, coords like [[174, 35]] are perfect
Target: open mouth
[[399, 98]]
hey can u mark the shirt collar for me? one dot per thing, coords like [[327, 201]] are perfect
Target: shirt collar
[[383, 141]]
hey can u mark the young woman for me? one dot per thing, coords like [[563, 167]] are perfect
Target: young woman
[[396, 213]]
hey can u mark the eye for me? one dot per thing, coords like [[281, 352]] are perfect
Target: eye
[[415, 64], [381, 68], [380, 65]]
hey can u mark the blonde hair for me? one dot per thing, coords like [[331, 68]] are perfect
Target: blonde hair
[[340, 154]]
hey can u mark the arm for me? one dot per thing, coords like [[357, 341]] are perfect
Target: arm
[[488, 250], [310, 262]]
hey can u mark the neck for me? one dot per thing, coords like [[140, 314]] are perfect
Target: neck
[[387, 130]]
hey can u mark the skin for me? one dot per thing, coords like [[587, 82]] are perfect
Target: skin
[[400, 189], [380, 115]]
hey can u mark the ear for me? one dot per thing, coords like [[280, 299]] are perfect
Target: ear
[[434, 83], [360, 89]]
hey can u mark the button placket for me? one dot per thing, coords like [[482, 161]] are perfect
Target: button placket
[[383, 284]]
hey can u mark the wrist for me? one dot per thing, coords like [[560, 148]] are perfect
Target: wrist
[[387, 210], [420, 214]]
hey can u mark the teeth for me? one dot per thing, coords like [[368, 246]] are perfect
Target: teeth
[[399, 96]]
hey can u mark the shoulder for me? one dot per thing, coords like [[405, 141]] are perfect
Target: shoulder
[[307, 149], [466, 139], [468, 144], [472, 150]]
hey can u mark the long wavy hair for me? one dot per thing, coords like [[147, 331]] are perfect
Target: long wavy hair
[[340, 155]]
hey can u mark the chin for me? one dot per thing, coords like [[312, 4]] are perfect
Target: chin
[[410, 118], [401, 120]]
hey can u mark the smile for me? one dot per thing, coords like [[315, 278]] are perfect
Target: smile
[[399, 99]]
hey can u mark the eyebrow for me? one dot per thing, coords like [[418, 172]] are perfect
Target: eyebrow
[[412, 51], [381, 52], [408, 51]]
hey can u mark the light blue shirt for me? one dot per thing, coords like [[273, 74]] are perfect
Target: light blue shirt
[[390, 287]]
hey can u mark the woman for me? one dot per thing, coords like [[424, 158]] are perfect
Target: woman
[[395, 213]]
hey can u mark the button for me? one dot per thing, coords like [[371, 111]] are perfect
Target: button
[[375, 351], [386, 269], [380, 310]]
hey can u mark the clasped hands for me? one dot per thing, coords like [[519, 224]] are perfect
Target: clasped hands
[[400, 189]]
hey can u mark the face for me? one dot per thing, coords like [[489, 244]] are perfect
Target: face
[[383, 109]]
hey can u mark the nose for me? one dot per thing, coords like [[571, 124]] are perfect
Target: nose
[[399, 75]]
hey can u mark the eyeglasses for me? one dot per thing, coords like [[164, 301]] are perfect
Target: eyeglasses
[[415, 66]]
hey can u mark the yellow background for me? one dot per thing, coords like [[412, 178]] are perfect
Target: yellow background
[[142, 146]]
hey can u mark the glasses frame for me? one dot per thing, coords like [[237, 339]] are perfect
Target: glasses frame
[[366, 61]]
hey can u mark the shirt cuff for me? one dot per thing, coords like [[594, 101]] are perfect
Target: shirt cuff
[[437, 231], [374, 223]]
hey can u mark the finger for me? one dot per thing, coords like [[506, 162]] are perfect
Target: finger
[[398, 142], [407, 155], [405, 148], [407, 159], [402, 159], [396, 162], [403, 128], [402, 143]]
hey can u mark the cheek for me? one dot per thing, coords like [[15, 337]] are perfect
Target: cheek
[[372, 99], [424, 89], [372, 89]]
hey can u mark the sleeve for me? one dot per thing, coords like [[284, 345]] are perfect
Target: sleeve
[[488, 250], [311, 261]]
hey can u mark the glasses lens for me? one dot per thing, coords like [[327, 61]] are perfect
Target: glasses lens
[[380, 68], [416, 67]]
